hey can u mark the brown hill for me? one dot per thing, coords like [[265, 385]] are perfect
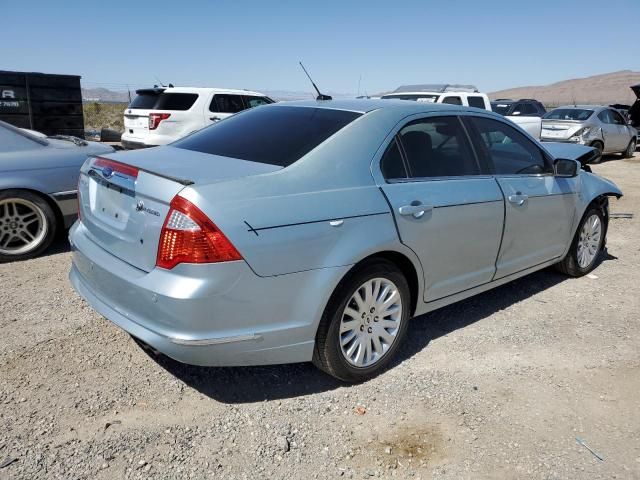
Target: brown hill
[[599, 89]]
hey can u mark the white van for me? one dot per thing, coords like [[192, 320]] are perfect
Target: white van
[[466, 95], [158, 116]]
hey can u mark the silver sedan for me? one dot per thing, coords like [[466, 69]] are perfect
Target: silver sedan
[[38, 179], [313, 231], [602, 128]]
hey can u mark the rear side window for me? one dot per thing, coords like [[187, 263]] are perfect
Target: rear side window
[[223, 103], [477, 102], [509, 150], [144, 101], [164, 101], [278, 135], [257, 101], [391, 164], [176, 101], [452, 100], [437, 147], [526, 109]]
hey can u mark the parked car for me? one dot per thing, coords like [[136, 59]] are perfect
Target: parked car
[[601, 127], [467, 95], [158, 116], [525, 107], [634, 111], [320, 238], [38, 182]]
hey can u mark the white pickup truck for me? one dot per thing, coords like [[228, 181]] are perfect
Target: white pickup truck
[[466, 95]]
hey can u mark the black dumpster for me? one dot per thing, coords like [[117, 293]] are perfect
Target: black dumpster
[[47, 103]]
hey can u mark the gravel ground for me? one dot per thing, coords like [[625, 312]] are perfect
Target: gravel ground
[[497, 386]]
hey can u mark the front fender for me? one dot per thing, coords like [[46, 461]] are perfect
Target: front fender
[[592, 186]]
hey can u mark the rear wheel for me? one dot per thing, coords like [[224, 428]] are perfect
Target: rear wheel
[[631, 149], [587, 246], [364, 322], [27, 225], [599, 146]]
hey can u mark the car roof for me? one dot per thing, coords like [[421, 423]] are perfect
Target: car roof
[[453, 93], [364, 105], [582, 107], [205, 90]]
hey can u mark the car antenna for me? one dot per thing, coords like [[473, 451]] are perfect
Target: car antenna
[[320, 95], [159, 81]]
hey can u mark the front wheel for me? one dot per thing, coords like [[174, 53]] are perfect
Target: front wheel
[[599, 146], [27, 225], [364, 322], [631, 149], [587, 246]]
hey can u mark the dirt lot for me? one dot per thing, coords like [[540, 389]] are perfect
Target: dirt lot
[[498, 386]]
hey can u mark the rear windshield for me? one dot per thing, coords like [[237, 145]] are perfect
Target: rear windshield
[[501, 108], [164, 101], [276, 135], [568, 114]]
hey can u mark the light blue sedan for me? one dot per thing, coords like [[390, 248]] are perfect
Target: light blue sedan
[[313, 231]]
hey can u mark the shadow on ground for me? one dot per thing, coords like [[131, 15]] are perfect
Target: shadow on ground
[[254, 384]]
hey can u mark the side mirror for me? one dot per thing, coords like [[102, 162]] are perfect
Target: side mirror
[[566, 168]]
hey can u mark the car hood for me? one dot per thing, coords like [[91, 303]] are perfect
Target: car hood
[[90, 148], [571, 151]]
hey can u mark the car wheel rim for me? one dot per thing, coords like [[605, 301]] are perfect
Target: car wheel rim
[[589, 241], [370, 322], [23, 226], [631, 149]]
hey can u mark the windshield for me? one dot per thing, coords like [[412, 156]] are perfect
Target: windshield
[[501, 108], [418, 97], [276, 135], [579, 114]]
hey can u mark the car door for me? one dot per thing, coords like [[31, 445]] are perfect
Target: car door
[[447, 208], [539, 207], [624, 134], [610, 131], [224, 105]]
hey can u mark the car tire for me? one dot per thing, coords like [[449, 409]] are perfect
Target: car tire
[[27, 225], [631, 149], [599, 146], [356, 349], [585, 251]]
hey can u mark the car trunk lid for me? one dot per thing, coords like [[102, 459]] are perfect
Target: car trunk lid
[[125, 198], [560, 129]]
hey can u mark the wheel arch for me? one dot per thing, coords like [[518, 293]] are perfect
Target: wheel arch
[[406, 266]]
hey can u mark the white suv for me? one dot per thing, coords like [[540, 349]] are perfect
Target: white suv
[[466, 95], [158, 116]]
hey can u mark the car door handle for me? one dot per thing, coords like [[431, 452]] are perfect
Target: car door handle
[[519, 198], [416, 209], [214, 119]]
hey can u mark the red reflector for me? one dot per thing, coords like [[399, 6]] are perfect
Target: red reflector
[[156, 118], [188, 236], [116, 167]]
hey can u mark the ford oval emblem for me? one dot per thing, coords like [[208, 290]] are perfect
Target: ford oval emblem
[[107, 172]]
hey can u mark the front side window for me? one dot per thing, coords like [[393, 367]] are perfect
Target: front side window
[[257, 101], [277, 135], [223, 103], [452, 100], [437, 147], [508, 150], [475, 101], [526, 109]]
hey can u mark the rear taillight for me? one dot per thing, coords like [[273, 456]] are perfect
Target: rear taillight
[[156, 118], [188, 236], [111, 166]]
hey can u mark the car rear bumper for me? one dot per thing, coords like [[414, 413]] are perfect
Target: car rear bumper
[[214, 315]]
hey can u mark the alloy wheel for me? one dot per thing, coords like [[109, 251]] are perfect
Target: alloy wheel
[[589, 241], [370, 322], [23, 226]]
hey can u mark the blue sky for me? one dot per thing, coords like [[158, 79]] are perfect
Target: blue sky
[[257, 44]]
